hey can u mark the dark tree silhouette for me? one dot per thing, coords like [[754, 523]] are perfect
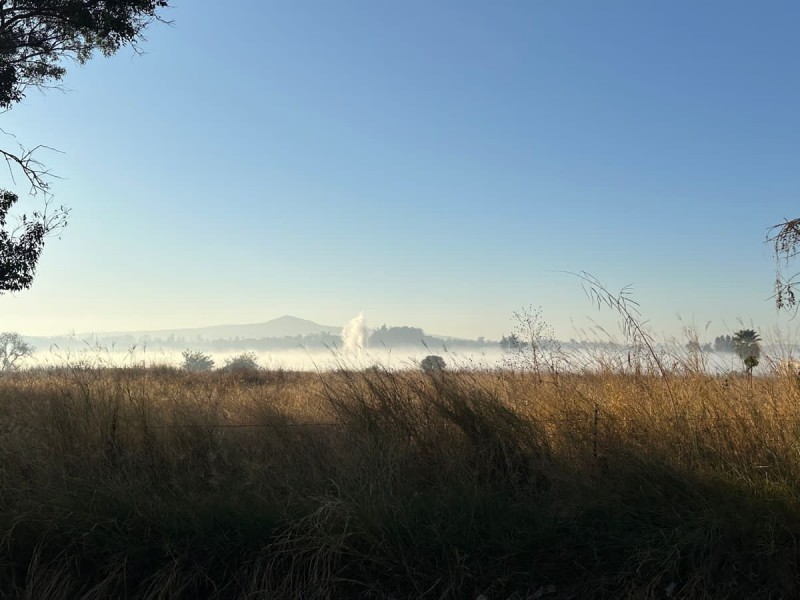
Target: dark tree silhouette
[[36, 37], [748, 347], [20, 247]]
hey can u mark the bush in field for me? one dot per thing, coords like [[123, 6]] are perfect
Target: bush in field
[[432, 364], [532, 345], [13, 349], [196, 361], [242, 363]]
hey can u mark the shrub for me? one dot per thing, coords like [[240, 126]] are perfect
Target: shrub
[[432, 364], [244, 362], [196, 361]]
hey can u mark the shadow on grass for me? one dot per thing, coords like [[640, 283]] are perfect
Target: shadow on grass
[[413, 487]]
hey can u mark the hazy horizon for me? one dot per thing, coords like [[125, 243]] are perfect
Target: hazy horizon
[[577, 359], [594, 330], [356, 345]]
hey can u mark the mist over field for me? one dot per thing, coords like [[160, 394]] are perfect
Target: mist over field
[[294, 344], [292, 360], [575, 358]]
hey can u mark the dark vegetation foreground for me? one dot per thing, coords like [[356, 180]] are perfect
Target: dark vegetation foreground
[[160, 484]]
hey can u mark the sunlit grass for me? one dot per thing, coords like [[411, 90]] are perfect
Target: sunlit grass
[[378, 483]]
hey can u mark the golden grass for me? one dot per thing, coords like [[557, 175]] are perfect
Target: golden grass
[[157, 483]]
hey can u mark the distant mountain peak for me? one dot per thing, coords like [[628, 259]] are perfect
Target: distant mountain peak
[[290, 318], [283, 326]]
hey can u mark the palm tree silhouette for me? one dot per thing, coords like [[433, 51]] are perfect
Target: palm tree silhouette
[[746, 344]]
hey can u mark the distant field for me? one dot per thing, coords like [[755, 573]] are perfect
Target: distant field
[[154, 483], [299, 359]]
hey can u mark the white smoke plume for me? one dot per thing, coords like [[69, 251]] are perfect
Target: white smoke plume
[[354, 334]]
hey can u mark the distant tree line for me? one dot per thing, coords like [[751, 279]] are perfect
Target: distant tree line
[[384, 337], [745, 343], [724, 343], [511, 342]]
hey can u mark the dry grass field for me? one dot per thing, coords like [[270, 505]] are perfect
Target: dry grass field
[[155, 483]]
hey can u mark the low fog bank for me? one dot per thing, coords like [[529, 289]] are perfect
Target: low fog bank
[[299, 345], [292, 359], [574, 359]]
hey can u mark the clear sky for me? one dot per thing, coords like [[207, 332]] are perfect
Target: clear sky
[[430, 163]]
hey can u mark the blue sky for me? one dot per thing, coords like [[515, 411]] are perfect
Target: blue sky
[[430, 163]]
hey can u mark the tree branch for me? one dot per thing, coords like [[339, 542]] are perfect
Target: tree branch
[[785, 240]]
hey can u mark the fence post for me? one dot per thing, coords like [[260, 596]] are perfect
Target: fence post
[[594, 430]]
